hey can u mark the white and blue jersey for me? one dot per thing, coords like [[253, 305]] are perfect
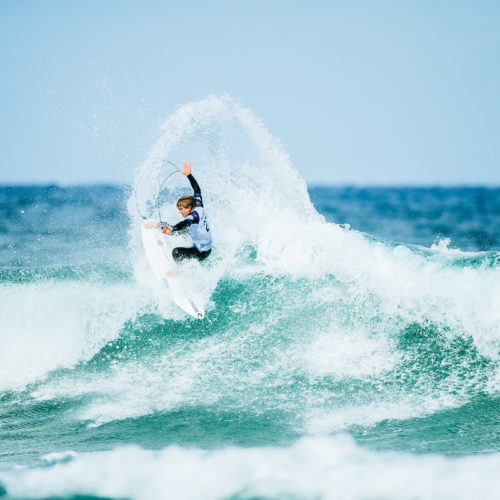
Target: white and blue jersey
[[196, 221]]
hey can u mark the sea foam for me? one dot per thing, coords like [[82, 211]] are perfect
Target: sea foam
[[326, 467]]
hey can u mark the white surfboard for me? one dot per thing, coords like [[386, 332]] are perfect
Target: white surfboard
[[166, 270]]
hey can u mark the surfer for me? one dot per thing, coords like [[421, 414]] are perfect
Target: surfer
[[195, 219]]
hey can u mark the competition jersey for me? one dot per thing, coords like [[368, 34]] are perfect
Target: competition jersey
[[196, 221]]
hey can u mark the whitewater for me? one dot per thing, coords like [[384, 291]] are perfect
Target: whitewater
[[331, 363]]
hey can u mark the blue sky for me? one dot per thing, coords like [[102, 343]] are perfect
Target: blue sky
[[359, 92]]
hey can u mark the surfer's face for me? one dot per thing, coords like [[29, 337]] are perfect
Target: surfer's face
[[184, 211]]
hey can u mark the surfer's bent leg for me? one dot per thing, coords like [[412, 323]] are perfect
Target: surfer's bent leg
[[181, 253]]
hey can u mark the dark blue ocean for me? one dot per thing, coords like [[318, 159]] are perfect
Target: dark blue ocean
[[350, 346]]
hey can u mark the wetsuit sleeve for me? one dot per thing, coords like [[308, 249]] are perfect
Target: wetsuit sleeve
[[198, 200], [192, 218]]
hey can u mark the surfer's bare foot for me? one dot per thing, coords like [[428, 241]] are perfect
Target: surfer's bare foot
[[150, 224]]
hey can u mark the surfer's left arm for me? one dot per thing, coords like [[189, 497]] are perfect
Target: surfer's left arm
[[192, 218]]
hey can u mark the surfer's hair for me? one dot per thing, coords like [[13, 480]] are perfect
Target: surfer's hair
[[186, 201]]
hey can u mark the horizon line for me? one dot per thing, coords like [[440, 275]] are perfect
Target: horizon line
[[358, 185]]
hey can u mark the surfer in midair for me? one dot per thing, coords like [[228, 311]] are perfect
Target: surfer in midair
[[195, 219]]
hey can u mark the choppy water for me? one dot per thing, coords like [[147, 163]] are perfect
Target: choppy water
[[335, 361]]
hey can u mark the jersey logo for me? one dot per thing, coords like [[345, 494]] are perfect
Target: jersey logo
[[195, 217]]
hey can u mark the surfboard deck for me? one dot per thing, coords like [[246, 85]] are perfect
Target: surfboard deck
[[164, 267]]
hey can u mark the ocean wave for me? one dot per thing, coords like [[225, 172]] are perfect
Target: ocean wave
[[328, 319]]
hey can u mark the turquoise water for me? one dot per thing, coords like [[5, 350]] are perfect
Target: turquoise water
[[350, 347]]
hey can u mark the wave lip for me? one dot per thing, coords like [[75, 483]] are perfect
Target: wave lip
[[246, 174]]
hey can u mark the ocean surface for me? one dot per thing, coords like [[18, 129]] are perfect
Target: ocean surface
[[350, 348]]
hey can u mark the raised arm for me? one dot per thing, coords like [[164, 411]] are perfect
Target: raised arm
[[196, 187]]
